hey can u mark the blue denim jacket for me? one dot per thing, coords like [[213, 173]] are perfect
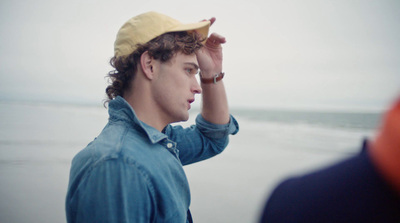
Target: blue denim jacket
[[133, 173]]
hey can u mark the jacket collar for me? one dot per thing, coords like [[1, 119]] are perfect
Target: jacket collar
[[119, 109]]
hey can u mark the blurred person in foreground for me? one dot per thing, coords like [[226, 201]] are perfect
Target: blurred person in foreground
[[363, 188], [133, 171]]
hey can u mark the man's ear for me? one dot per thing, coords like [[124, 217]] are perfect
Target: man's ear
[[147, 64]]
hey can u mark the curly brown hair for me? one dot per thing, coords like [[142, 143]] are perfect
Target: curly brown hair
[[162, 48]]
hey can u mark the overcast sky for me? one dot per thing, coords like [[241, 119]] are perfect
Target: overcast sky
[[335, 54]]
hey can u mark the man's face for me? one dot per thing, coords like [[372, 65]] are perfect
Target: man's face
[[175, 85]]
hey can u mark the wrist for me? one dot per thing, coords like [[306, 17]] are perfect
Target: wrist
[[209, 79]]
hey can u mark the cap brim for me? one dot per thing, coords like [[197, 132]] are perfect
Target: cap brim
[[201, 28]]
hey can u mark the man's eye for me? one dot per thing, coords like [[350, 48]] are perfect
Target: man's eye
[[191, 71]]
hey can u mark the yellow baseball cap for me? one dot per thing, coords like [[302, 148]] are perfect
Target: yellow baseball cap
[[147, 26]]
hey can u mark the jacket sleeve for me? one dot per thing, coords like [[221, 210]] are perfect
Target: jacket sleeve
[[203, 140], [113, 191]]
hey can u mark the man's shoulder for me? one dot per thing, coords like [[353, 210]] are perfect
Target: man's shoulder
[[331, 181], [109, 144], [337, 193]]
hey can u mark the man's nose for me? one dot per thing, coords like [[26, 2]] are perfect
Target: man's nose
[[196, 88]]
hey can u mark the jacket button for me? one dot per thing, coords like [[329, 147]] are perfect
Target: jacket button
[[169, 145]]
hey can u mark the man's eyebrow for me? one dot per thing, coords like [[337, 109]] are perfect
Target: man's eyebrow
[[192, 64]]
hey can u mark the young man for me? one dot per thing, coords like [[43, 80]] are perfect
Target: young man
[[132, 172]]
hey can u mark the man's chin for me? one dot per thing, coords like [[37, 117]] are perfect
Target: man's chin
[[182, 118], [185, 118]]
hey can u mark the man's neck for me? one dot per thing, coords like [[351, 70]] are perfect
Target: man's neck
[[146, 111]]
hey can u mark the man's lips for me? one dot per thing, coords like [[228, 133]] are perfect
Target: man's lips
[[190, 101]]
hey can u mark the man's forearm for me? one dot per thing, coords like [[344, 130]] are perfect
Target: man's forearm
[[215, 103]]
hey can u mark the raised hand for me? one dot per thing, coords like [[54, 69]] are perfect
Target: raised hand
[[210, 56]]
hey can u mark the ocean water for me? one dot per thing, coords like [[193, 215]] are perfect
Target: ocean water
[[38, 141]]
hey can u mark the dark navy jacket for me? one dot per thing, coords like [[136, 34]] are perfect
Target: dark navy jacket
[[349, 191]]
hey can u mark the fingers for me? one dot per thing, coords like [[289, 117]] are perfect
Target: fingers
[[212, 20], [215, 40]]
